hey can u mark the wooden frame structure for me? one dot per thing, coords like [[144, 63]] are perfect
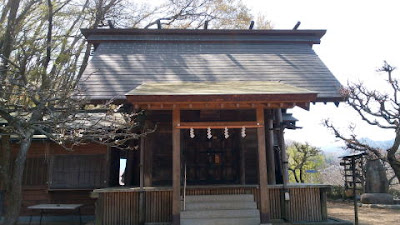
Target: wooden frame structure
[[176, 172], [264, 127], [178, 76]]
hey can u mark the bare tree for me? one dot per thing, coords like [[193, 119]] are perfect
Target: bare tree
[[227, 14], [40, 53], [379, 109], [42, 57]]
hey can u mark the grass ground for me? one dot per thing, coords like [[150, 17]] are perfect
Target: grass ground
[[367, 216]]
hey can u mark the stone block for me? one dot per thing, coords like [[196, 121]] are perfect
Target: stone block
[[377, 198]]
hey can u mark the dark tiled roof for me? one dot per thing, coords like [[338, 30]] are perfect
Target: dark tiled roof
[[125, 59]]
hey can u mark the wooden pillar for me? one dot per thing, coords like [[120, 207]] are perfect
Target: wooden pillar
[[262, 168], [243, 162], [131, 168], [141, 183], [284, 165], [148, 160], [141, 163], [114, 168], [270, 149], [281, 143], [176, 167], [324, 199], [108, 164]]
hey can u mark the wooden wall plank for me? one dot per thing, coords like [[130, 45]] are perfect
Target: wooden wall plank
[[123, 207]]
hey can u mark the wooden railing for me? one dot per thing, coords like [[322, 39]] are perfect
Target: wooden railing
[[121, 206]]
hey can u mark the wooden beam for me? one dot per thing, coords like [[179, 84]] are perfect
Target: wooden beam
[[270, 149], [221, 98], [176, 167], [304, 105], [218, 105], [262, 168], [218, 125]]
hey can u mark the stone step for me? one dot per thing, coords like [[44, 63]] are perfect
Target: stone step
[[226, 213], [221, 221], [221, 205], [218, 198]]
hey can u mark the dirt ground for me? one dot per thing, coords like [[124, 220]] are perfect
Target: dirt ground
[[366, 216], [340, 210]]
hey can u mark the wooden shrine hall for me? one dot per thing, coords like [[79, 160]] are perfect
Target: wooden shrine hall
[[218, 100]]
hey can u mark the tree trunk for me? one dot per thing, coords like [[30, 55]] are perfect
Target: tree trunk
[[8, 38], [391, 155], [394, 163], [5, 153], [295, 175], [301, 176], [13, 197]]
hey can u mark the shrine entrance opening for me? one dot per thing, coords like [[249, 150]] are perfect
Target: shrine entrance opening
[[212, 159]]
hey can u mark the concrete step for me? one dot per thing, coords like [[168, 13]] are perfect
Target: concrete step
[[226, 213], [222, 221], [218, 198], [221, 205]]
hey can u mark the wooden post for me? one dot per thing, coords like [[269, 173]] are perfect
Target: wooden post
[[130, 167], [270, 150], [141, 182], [353, 169], [243, 162], [108, 163], [284, 163], [141, 163], [176, 167], [262, 168], [148, 161], [324, 208], [281, 143]]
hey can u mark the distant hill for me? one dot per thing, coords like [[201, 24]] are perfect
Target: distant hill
[[333, 149], [338, 149], [377, 144]]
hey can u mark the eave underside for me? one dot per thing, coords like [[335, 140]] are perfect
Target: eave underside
[[223, 102]]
